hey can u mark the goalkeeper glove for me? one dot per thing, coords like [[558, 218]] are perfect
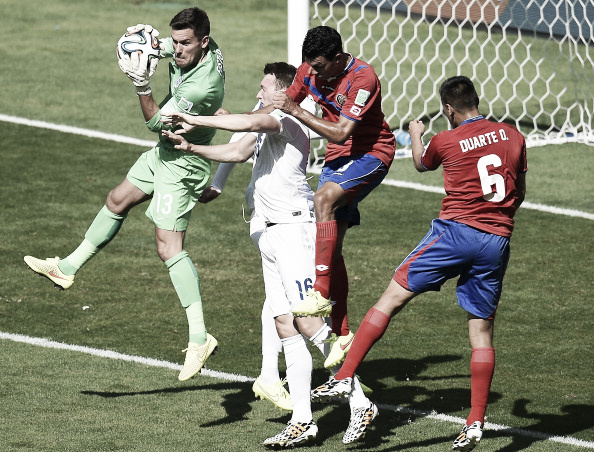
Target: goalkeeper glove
[[149, 30], [135, 66]]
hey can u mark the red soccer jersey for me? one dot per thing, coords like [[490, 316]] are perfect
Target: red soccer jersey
[[356, 95], [481, 161]]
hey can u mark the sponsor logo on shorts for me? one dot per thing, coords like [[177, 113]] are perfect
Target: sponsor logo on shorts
[[322, 268]]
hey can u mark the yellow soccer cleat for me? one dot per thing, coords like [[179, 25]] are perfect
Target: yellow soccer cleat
[[49, 269], [340, 347], [274, 392], [196, 355], [314, 304]]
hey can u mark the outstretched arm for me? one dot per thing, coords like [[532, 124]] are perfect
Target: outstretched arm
[[336, 132], [238, 151], [232, 122]]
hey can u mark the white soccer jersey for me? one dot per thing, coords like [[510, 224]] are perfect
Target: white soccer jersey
[[279, 190]]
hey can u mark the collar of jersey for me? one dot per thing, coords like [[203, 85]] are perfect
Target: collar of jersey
[[473, 119]]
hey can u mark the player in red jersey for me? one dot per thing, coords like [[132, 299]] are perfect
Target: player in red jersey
[[360, 151], [484, 166]]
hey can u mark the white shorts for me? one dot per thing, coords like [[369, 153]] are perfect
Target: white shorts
[[288, 263]]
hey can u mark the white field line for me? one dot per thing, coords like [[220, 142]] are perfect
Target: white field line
[[40, 342], [146, 143], [525, 205], [76, 131]]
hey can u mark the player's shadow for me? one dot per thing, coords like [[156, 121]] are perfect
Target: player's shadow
[[575, 418], [404, 390], [409, 376], [237, 398], [401, 369]]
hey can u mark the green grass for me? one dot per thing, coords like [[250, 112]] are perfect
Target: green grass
[[54, 184], [544, 326]]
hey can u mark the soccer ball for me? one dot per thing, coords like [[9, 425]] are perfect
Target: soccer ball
[[139, 41]]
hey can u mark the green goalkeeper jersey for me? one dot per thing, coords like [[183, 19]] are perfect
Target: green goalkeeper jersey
[[199, 91]]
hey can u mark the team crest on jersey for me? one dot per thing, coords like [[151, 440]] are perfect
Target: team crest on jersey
[[362, 97], [340, 99]]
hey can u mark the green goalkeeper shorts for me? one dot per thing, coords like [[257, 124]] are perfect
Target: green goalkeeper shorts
[[175, 181]]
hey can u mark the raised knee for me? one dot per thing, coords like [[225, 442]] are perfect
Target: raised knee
[[284, 326], [112, 202], [165, 251]]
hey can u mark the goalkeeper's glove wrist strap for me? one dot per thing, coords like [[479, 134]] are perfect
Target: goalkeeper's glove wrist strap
[[144, 90]]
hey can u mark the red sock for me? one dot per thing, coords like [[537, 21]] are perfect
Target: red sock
[[482, 366], [326, 237], [339, 292], [372, 328]]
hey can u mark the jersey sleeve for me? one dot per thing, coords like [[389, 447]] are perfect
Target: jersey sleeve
[[430, 159], [298, 89], [523, 158], [222, 174], [362, 94], [290, 129]]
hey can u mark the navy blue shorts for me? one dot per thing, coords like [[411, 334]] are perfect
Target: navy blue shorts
[[452, 249], [357, 175]]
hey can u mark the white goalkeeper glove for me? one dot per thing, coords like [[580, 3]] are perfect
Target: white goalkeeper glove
[[135, 66], [150, 30]]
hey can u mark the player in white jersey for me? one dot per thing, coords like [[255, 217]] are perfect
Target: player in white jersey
[[283, 227]]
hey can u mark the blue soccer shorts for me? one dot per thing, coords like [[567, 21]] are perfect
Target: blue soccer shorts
[[451, 249], [358, 175]]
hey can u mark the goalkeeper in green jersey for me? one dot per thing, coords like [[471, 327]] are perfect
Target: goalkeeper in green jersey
[[171, 180]]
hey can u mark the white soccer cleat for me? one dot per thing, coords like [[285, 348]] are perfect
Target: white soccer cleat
[[49, 269], [332, 389], [469, 437], [294, 433], [196, 355], [361, 418]]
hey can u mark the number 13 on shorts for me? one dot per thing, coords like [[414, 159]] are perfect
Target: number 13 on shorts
[[163, 205]]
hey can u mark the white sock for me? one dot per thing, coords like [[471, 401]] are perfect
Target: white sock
[[299, 368], [357, 399], [271, 347], [319, 337]]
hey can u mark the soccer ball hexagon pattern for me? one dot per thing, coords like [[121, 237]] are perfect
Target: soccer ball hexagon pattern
[[139, 41]]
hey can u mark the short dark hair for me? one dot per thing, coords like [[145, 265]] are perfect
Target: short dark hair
[[321, 41], [194, 18], [459, 92], [284, 73]]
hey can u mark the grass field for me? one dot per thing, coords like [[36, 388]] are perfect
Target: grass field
[[54, 183]]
